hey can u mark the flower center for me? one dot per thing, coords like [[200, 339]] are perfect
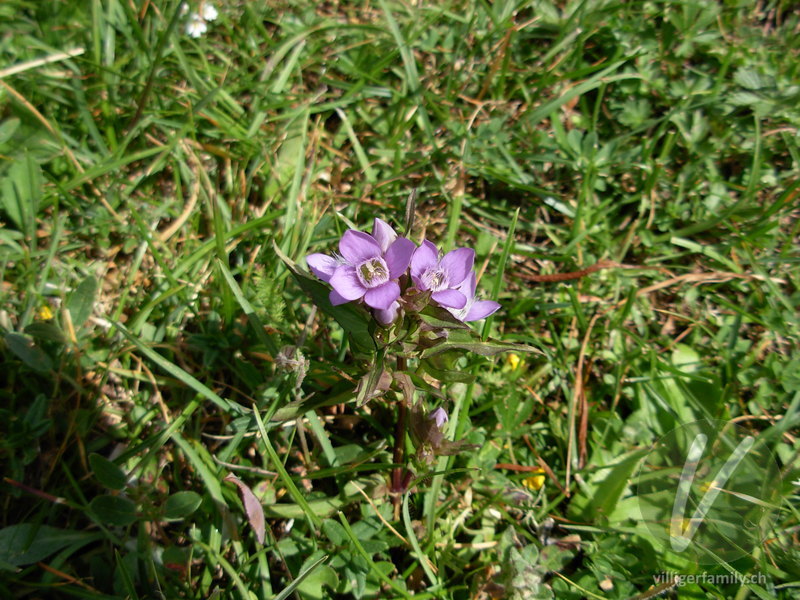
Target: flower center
[[373, 272], [435, 280]]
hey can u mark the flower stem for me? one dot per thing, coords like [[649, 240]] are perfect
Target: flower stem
[[398, 481]]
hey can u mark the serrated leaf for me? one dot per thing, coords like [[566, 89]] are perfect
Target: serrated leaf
[[182, 504], [28, 352], [107, 473], [252, 507], [81, 301], [114, 510], [750, 79], [27, 543]]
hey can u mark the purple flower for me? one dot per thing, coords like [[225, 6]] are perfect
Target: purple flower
[[387, 316], [473, 310], [439, 416], [367, 267], [442, 277]]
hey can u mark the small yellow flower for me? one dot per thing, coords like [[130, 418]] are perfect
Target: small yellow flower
[[44, 313], [708, 485], [513, 360], [534, 482]]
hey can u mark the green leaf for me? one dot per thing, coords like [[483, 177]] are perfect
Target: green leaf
[[107, 473], [7, 129], [308, 570], [81, 301], [323, 575], [21, 192], [28, 352], [374, 383], [468, 340], [114, 510], [334, 532], [605, 488], [45, 331], [27, 543], [750, 79], [182, 504], [248, 309], [440, 318], [445, 375]]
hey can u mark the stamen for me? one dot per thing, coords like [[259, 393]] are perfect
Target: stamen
[[373, 272], [435, 279]]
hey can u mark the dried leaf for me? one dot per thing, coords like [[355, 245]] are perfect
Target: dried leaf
[[252, 507]]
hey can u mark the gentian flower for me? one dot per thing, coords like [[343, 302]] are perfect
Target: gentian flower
[[367, 267], [439, 416], [442, 277], [388, 316], [473, 310]]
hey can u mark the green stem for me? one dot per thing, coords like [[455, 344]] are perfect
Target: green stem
[[399, 442]]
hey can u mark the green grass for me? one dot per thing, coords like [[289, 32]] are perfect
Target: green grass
[[149, 180]]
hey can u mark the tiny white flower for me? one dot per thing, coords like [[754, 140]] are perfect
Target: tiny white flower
[[196, 26], [209, 12]]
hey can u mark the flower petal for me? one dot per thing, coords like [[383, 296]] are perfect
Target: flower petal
[[322, 265], [387, 316], [357, 246], [425, 257], [450, 298], [382, 296], [468, 286], [209, 12], [336, 298], [383, 234], [346, 283], [398, 256], [457, 264], [439, 416], [481, 309]]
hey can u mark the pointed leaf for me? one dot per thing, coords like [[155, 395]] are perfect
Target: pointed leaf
[[107, 473], [81, 301], [252, 507], [182, 504], [438, 317], [45, 331], [28, 352], [446, 376], [468, 340], [114, 510], [27, 543], [21, 192]]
